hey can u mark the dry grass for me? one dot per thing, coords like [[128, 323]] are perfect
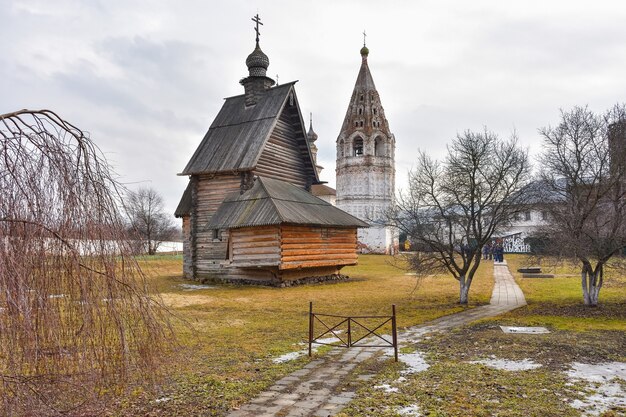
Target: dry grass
[[454, 386], [230, 334]]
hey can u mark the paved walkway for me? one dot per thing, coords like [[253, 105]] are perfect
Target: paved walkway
[[311, 391]]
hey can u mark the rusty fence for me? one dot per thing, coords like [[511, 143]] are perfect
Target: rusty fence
[[350, 323]]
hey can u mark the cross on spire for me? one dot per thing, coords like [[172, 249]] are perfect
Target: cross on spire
[[364, 35], [257, 20]]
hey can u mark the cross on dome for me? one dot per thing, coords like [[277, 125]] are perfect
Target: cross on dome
[[257, 20]]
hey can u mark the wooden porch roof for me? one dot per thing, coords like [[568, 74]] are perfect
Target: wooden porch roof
[[272, 202]]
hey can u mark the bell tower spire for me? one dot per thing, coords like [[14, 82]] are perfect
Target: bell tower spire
[[366, 162]]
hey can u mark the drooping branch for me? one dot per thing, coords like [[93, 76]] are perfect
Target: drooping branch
[[74, 309]]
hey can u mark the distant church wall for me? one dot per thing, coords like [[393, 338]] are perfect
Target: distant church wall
[[377, 239]]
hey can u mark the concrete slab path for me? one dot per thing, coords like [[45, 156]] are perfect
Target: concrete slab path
[[311, 391]]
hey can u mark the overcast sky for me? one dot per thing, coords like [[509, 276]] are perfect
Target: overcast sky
[[146, 78]]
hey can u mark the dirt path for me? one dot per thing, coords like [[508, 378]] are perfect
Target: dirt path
[[311, 391]]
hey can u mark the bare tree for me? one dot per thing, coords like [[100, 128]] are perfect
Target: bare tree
[[75, 315], [148, 219], [453, 208], [583, 172]]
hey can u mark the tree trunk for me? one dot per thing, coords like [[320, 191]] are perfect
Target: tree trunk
[[591, 284], [464, 290]]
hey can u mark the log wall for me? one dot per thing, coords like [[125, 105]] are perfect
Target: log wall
[[187, 266], [315, 247], [255, 246], [210, 192]]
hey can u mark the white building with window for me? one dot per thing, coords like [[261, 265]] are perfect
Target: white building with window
[[366, 164], [529, 220]]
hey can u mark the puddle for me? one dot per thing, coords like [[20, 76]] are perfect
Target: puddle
[[411, 410], [386, 387], [195, 287], [524, 330], [508, 365], [607, 392]]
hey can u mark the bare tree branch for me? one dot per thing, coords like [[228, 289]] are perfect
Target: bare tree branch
[[584, 181], [453, 208], [74, 306], [149, 222]]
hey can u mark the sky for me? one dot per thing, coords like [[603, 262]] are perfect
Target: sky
[[147, 78]]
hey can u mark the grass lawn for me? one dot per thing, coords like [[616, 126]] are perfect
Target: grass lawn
[[456, 384], [558, 301], [228, 335]]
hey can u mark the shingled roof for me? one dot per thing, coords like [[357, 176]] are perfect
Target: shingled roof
[[322, 189], [238, 134], [184, 206], [272, 202]]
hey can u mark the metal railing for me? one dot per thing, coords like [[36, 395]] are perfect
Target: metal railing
[[351, 323]]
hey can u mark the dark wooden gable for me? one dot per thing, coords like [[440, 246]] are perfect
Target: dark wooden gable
[[238, 138], [286, 155]]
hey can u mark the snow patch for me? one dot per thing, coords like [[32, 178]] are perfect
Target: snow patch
[[414, 361], [524, 330], [386, 387], [411, 410], [295, 355], [194, 287], [607, 393], [287, 357], [598, 373], [508, 365]]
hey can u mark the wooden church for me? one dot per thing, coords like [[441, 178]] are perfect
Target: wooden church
[[248, 214]]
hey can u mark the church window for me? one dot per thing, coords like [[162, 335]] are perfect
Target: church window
[[361, 97], [360, 110], [544, 215], [361, 123], [374, 110], [217, 235], [379, 147], [358, 147], [324, 233], [527, 215], [356, 124]]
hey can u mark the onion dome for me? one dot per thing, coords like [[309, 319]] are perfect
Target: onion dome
[[257, 62], [311, 135], [365, 51]]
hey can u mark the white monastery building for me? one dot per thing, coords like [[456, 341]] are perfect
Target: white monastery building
[[366, 164]]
